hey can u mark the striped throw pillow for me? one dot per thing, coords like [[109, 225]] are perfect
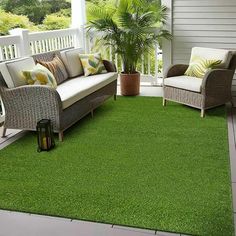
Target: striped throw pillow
[[199, 66], [92, 64], [57, 68], [39, 75]]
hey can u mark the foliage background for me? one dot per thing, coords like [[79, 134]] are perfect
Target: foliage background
[[34, 15], [39, 15]]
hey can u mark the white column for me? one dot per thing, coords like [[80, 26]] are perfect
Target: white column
[[78, 20], [78, 13], [24, 46], [167, 44]]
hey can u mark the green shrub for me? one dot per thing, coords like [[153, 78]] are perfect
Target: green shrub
[[10, 21], [56, 21]]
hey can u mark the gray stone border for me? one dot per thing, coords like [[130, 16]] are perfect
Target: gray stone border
[[231, 118]]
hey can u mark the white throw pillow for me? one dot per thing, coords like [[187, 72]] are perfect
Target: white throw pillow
[[15, 69], [72, 61]]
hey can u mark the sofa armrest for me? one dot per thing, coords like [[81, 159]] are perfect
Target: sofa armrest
[[28, 104], [217, 82], [110, 66], [176, 70]]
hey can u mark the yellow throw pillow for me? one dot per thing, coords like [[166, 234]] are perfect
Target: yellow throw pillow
[[39, 75], [92, 64], [199, 66]]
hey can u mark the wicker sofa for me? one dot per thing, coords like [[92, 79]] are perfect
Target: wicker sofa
[[211, 91], [25, 105]]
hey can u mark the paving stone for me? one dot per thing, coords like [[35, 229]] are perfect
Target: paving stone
[[159, 233], [123, 230], [134, 230], [234, 196], [20, 224], [232, 147]]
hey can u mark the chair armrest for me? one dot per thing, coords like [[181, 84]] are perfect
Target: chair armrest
[[176, 70], [217, 81], [28, 104], [110, 66]]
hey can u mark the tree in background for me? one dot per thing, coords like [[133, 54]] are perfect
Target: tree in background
[[10, 21], [55, 21], [35, 10]]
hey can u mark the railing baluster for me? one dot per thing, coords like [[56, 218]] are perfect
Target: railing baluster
[[1, 54], [6, 53], [110, 52], [116, 61], [67, 41], [43, 45], [156, 63], [15, 51], [50, 44], [36, 47], [46, 44], [142, 64], [40, 46], [64, 42], [11, 52], [149, 65]]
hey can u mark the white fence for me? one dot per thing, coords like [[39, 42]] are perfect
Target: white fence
[[22, 43], [9, 47]]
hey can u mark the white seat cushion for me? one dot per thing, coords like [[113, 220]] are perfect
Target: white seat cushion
[[72, 61], [184, 82], [75, 89]]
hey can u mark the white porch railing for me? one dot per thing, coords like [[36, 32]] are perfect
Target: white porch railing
[[9, 47], [22, 43], [53, 40]]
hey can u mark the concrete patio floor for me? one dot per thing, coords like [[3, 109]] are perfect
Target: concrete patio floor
[[24, 224]]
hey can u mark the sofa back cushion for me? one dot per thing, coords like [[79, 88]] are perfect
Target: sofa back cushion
[[203, 59], [72, 61], [12, 71], [57, 68]]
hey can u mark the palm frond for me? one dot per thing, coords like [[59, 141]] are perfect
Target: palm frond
[[132, 29]]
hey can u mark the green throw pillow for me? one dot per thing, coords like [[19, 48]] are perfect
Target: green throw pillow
[[39, 75], [199, 66], [92, 64]]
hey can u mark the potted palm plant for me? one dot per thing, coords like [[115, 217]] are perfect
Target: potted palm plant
[[132, 28]]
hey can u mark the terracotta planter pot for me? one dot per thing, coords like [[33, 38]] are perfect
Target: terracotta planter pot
[[130, 84]]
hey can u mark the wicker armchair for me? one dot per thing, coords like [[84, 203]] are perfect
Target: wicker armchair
[[215, 87]]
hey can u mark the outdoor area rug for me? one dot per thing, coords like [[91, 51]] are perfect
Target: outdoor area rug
[[135, 163]]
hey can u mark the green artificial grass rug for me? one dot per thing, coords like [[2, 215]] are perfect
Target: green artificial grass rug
[[135, 163]]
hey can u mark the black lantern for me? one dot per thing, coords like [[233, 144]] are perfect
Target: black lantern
[[45, 135]]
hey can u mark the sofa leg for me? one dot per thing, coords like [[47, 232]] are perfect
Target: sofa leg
[[114, 97], [164, 102], [91, 112], [61, 136], [202, 113], [4, 132]]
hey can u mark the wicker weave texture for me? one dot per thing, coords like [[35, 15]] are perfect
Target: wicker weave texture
[[26, 105], [215, 89], [184, 96]]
